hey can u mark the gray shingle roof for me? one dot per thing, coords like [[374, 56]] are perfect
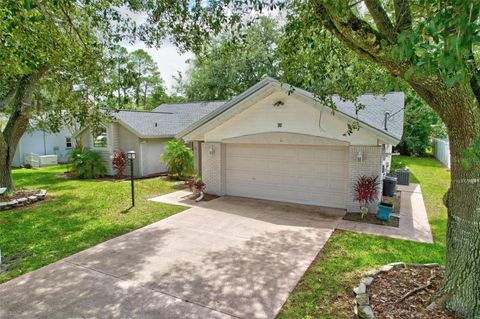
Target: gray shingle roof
[[203, 107], [374, 112], [166, 120]]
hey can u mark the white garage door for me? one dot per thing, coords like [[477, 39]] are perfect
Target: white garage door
[[313, 175]]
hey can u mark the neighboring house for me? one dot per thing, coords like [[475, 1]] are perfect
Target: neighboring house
[[41, 143], [145, 132], [269, 144]]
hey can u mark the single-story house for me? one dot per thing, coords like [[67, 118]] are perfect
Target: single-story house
[[145, 132], [44, 144], [274, 143]]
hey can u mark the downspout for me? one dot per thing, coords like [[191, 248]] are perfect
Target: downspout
[[141, 157], [44, 144]]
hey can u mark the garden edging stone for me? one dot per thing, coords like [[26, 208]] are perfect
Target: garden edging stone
[[23, 201]]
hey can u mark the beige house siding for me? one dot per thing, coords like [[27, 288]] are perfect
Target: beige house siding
[[150, 151], [127, 141], [119, 137]]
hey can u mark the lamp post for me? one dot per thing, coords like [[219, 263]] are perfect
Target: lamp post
[[131, 156]]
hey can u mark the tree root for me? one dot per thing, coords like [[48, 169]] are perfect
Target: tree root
[[439, 302], [418, 289]]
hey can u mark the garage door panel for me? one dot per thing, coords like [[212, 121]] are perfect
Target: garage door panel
[[303, 174]]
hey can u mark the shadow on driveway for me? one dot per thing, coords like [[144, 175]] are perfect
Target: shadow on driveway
[[233, 257]]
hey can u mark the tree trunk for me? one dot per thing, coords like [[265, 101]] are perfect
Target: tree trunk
[[462, 281], [6, 178], [461, 287], [460, 111], [17, 124]]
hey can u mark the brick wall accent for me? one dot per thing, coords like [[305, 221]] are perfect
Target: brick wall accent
[[371, 165], [213, 167]]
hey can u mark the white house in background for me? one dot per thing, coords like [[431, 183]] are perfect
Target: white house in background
[[269, 144], [42, 143], [145, 132]]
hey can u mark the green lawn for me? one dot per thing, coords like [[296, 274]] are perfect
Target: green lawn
[[325, 289], [76, 215]]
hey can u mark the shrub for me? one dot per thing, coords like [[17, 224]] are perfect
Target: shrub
[[196, 185], [86, 163], [119, 162], [366, 189], [178, 158], [421, 124]]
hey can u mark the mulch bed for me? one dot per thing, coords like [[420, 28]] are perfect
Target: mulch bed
[[389, 287], [18, 194], [372, 219]]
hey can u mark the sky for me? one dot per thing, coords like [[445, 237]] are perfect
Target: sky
[[168, 59]]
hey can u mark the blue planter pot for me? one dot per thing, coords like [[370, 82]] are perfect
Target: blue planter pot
[[384, 211]]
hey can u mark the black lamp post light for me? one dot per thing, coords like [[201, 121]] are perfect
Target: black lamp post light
[[131, 156]]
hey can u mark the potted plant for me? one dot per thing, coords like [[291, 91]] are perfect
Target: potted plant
[[366, 191], [196, 186]]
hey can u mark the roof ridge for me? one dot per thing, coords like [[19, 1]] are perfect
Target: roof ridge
[[144, 111], [192, 102]]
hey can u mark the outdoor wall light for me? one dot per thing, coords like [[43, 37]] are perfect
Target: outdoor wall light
[[211, 150], [360, 157], [131, 155]]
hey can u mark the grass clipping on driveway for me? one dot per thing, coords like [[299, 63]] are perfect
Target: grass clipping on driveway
[[325, 291], [77, 215]]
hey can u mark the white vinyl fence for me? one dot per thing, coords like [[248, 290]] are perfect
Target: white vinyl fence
[[441, 151], [37, 161]]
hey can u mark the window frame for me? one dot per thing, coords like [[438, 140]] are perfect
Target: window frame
[[68, 140], [94, 137]]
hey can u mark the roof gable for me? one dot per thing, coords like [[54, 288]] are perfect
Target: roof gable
[[372, 117]]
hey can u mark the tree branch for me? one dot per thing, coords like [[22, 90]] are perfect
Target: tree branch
[[357, 34], [8, 98], [65, 13], [418, 289], [403, 16], [382, 21], [357, 31]]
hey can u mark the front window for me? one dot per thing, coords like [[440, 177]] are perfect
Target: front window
[[68, 142], [100, 137]]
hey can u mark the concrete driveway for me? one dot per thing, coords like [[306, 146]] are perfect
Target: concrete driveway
[[229, 258]]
